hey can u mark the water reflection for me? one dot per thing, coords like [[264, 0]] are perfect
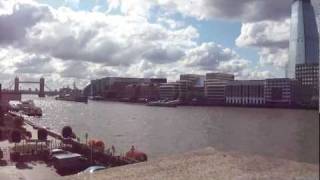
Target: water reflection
[[290, 134]]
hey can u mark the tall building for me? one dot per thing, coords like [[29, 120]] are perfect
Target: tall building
[[316, 4], [214, 87], [304, 36]]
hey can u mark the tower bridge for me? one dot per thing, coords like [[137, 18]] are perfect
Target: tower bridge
[[15, 89], [17, 82]]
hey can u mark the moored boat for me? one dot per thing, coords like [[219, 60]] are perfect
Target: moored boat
[[163, 103], [26, 107]]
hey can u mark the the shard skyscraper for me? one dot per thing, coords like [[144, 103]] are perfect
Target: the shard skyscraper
[[304, 37]]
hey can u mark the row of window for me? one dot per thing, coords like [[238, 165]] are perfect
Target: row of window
[[245, 101]]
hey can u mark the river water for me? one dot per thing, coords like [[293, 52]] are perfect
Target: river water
[[284, 133]]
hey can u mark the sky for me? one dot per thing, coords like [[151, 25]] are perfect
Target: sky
[[68, 41]]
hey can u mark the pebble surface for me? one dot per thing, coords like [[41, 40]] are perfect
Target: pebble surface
[[208, 164]]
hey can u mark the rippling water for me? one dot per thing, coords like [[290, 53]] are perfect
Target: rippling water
[[290, 134]]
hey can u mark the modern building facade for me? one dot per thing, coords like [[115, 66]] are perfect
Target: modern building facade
[[179, 90], [184, 89], [308, 77], [245, 92], [195, 87], [307, 74], [169, 91], [114, 87], [316, 4], [195, 79], [281, 91], [141, 92], [149, 92], [214, 87], [304, 36]]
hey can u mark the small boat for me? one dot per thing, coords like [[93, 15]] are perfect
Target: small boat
[[13, 106], [136, 155]]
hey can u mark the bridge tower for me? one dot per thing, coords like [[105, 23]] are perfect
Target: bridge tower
[[16, 85], [41, 93]]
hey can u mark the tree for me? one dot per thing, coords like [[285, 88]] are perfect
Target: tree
[[16, 136], [29, 134], [67, 132], [42, 134]]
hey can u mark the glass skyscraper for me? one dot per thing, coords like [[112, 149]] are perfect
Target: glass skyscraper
[[304, 37]]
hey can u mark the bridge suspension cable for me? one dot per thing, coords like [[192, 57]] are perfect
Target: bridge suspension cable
[[47, 87], [11, 84]]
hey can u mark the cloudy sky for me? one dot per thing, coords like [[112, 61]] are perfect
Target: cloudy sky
[[79, 40]]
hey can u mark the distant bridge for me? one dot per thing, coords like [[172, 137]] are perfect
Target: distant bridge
[[40, 93]]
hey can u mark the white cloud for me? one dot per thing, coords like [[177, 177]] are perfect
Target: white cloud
[[256, 74], [276, 57], [112, 40], [244, 10], [34, 64], [209, 56], [265, 34], [67, 45], [131, 7], [234, 66], [271, 38]]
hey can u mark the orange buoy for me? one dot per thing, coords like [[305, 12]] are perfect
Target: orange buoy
[[99, 143], [96, 145]]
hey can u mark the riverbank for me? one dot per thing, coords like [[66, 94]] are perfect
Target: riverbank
[[207, 104], [35, 170], [208, 164]]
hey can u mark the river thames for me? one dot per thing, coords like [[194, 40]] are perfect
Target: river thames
[[283, 133]]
